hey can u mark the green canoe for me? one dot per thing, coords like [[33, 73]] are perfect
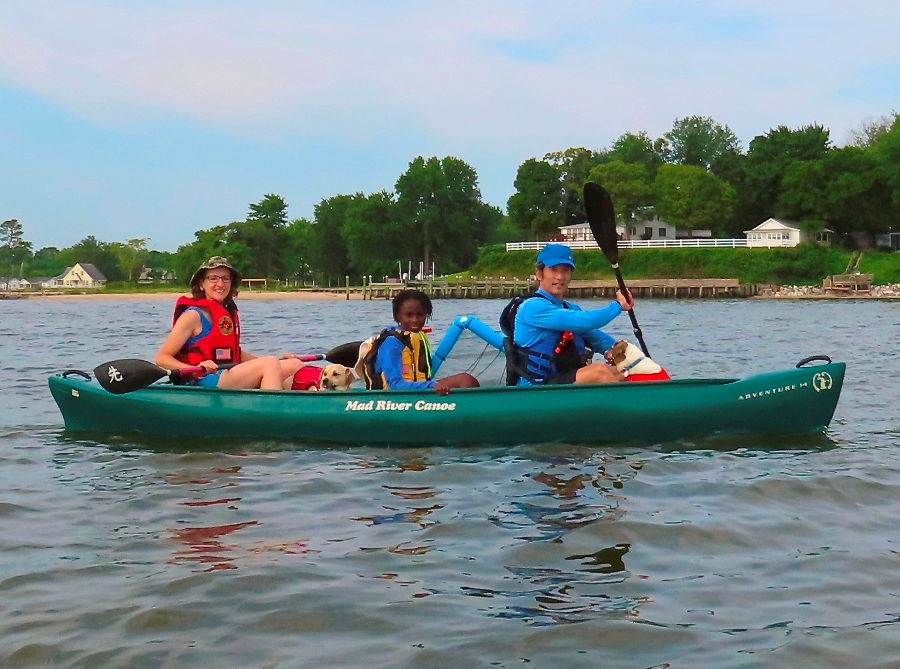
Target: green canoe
[[795, 400]]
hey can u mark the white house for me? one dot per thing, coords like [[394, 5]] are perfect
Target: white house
[[80, 275], [150, 274], [580, 232], [13, 283], [657, 229], [653, 229], [774, 233], [890, 240]]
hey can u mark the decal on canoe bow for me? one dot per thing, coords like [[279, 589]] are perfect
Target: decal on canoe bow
[[772, 391], [389, 405], [822, 381]]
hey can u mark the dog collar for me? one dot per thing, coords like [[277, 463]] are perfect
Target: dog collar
[[633, 365]]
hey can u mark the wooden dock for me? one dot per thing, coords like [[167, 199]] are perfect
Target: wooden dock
[[848, 284], [603, 288]]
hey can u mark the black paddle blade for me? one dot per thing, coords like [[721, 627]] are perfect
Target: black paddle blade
[[345, 354], [127, 375], [602, 218]]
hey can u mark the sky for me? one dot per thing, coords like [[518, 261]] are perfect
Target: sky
[[124, 119]]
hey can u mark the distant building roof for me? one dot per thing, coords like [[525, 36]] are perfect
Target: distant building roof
[[775, 224], [92, 271]]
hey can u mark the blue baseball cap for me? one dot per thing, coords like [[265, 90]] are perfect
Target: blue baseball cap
[[556, 254]]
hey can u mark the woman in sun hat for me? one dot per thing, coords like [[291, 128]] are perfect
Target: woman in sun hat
[[206, 332]]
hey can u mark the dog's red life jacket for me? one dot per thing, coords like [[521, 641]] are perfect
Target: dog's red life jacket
[[308, 376], [656, 376]]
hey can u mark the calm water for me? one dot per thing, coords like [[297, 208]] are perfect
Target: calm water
[[712, 553]]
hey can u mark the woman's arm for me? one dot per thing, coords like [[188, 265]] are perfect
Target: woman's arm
[[187, 325]]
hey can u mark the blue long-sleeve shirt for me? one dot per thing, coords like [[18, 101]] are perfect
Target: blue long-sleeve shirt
[[539, 320], [388, 361]]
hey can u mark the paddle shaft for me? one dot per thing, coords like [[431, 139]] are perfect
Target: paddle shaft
[[197, 369], [128, 375], [602, 221], [634, 324]]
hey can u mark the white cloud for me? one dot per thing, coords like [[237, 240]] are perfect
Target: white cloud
[[370, 85], [461, 73]]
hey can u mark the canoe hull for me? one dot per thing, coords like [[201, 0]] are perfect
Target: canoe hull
[[782, 402]]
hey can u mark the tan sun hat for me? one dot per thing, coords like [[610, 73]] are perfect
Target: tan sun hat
[[213, 263]]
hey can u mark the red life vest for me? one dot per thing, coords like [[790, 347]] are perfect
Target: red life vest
[[223, 342]]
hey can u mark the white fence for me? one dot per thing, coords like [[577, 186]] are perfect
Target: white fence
[[638, 244]]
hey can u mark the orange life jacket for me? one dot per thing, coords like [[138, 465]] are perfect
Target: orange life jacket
[[221, 344]]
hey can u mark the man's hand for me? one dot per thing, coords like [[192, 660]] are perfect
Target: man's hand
[[627, 303]]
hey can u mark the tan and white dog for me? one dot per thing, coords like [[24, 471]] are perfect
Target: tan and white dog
[[633, 364], [329, 377]]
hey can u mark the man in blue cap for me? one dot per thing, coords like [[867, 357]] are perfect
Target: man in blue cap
[[554, 340]]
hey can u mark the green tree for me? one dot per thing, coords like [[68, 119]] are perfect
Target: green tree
[[886, 149], [14, 251], [46, 263], [637, 149], [690, 197], [858, 199], [506, 231], [297, 253], [374, 235], [159, 262], [699, 141], [329, 250], [263, 233], [574, 165], [765, 165], [131, 256], [97, 253], [536, 206], [870, 130], [803, 190], [217, 241], [441, 207], [11, 233], [628, 184]]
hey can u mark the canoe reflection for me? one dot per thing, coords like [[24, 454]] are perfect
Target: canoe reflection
[[203, 545]]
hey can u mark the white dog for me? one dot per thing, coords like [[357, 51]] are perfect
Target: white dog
[[329, 377], [633, 364]]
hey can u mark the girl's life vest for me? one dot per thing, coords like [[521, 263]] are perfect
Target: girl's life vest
[[219, 341], [415, 362], [546, 360]]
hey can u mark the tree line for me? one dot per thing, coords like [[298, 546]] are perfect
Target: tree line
[[696, 176]]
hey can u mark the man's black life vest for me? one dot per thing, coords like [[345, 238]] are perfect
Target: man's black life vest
[[564, 357]]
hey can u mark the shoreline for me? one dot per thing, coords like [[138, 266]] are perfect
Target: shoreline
[[886, 292], [174, 295]]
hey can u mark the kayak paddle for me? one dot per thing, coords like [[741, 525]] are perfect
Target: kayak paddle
[[602, 219], [129, 374], [345, 354]]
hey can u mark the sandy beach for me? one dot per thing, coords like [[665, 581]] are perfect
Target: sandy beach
[[172, 296]]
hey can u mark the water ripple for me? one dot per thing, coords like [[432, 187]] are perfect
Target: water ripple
[[722, 551]]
